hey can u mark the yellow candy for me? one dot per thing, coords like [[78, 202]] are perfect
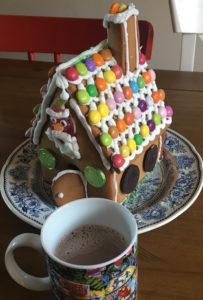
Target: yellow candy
[[124, 151], [103, 110], [109, 76], [144, 130], [131, 145], [122, 8], [94, 116]]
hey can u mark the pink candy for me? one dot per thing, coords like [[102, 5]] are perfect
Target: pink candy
[[111, 104], [119, 97], [169, 111], [153, 74], [142, 59], [137, 113], [162, 112]]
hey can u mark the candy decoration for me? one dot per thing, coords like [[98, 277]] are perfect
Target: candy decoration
[[122, 8], [129, 118], [149, 101], [113, 131], [147, 77], [142, 58], [101, 84], [106, 139], [124, 151], [131, 144], [36, 109], [71, 74], [156, 97], [150, 158], [162, 94], [58, 127], [81, 68], [92, 90], [95, 176], [144, 130], [151, 125], [111, 104], [118, 71], [47, 159], [119, 97], [121, 125], [128, 92], [103, 110], [140, 82], [98, 59], [137, 113], [169, 110], [90, 64], [142, 105], [134, 86], [129, 179], [83, 96], [109, 76], [156, 118], [138, 139], [153, 74], [114, 9], [118, 161], [162, 112], [106, 54], [94, 116]]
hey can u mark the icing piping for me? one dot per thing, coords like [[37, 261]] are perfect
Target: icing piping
[[115, 186], [136, 42], [126, 46]]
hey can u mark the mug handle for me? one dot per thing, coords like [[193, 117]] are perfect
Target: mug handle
[[22, 278]]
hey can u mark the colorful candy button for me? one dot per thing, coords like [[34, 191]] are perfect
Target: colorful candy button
[[122, 8], [114, 8], [142, 58], [106, 139], [134, 86], [131, 144], [162, 94], [121, 125], [36, 109], [140, 82], [142, 105], [118, 71], [156, 97], [95, 176], [119, 97], [83, 96], [124, 151], [90, 64], [92, 90], [151, 125], [109, 76], [98, 59], [71, 74], [94, 116], [147, 77], [113, 131], [128, 92], [156, 118], [101, 84], [162, 112], [118, 161], [153, 74], [137, 113], [81, 68], [149, 101], [47, 159], [103, 110], [169, 110], [144, 130], [138, 139], [111, 104], [129, 118], [106, 54]]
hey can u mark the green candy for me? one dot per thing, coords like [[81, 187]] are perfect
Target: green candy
[[83, 96], [59, 103], [81, 68], [95, 176], [105, 139], [141, 82], [92, 90], [36, 109], [47, 159], [157, 119], [138, 139]]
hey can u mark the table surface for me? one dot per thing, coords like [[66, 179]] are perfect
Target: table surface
[[170, 257]]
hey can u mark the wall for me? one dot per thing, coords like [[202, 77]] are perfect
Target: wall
[[167, 45]]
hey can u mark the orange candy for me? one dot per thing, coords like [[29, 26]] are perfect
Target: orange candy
[[98, 59], [114, 9], [162, 94], [121, 125], [147, 77], [101, 84], [156, 97], [129, 118], [58, 127], [113, 131], [128, 92]]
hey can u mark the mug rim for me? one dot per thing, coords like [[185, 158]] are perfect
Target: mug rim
[[92, 266]]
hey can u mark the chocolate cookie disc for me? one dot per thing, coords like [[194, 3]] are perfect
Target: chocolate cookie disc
[[129, 179], [150, 158]]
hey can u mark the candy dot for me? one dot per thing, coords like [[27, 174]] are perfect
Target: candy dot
[[106, 54], [142, 105], [156, 118], [109, 76], [153, 74], [118, 71], [94, 176], [162, 112], [94, 116], [137, 113], [162, 94], [156, 97], [98, 59], [113, 131], [101, 84], [121, 125], [129, 118], [134, 86], [118, 161], [147, 77], [71, 74], [105, 139], [47, 159], [92, 90], [140, 82], [114, 8], [138, 139], [142, 58], [83, 96], [124, 151], [122, 8], [81, 68], [111, 104], [128, 92], [119, 97], [131, 145], [144, 130], [103, 110], [151, 125], [150, 101], [90, 64], [169, 111]]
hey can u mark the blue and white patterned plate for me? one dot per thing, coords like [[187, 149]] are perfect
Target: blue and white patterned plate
[[163, 195]]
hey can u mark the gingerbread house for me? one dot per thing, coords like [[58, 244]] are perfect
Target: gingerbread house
[[101, 124]]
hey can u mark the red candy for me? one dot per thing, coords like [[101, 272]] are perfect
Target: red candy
[[118, 71], [118, 160], [129, 118], [142, 59], [128, 92], [71, 74]]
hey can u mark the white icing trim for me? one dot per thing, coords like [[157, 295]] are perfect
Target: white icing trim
[[58, 115], [136, 42], [115, 186], [125, 25]]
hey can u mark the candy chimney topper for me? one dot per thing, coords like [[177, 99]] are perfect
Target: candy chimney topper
[[123, 37]]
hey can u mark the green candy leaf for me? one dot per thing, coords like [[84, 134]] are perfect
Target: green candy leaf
[[47, 159], [95, 176]]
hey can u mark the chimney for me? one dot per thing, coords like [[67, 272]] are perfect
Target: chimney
[[123, 37]]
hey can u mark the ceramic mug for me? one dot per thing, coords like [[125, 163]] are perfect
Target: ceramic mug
[[113, 279]]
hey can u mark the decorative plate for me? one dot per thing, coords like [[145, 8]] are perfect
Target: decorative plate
[[162, 196]]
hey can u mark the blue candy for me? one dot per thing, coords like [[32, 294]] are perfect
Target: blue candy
[[134, 86]]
